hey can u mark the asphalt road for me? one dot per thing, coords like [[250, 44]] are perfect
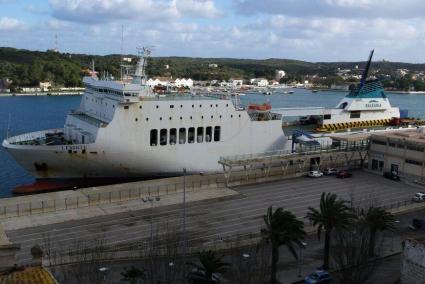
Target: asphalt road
[[211, 220]]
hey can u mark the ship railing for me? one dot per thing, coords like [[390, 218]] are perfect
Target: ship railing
[[33, 136]]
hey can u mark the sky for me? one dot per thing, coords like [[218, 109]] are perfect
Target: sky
[[312, 30]]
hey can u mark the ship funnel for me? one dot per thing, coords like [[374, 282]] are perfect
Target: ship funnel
[[366, 70]]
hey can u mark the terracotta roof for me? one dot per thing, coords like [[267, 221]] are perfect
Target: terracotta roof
[[30, 275]]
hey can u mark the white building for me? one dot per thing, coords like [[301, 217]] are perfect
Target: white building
[[156, 81], [44, 86], [279, 74], [260, 82], [236, 82], [183, 82]]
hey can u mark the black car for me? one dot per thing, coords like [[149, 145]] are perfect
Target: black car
[[392, 175]]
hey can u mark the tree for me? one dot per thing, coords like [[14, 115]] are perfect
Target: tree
[[282, 228], [332, 214], [133, 275], [376, 219], [205, 272]]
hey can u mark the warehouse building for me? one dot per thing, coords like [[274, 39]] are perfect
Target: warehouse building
[[401, 152]]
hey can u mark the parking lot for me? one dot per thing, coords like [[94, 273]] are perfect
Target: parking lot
[[213, 220]]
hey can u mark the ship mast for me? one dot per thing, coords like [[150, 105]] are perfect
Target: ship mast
[[139, 76], [366, 70]]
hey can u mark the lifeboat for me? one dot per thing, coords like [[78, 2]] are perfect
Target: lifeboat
[[259, 108]]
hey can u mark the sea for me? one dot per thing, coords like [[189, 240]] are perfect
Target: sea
[[21, 114]]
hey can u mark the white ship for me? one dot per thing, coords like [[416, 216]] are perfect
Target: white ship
[[366, 105], [124, 130]]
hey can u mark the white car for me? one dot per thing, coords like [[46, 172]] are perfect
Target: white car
[[330, 171], [419, 197], [315, 174]]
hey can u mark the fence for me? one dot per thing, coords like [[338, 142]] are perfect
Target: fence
[[101, 195]]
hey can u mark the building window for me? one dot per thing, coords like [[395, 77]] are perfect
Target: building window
[[182, 135], [413, 162], [379, 142], [154, 137], [391, 144], [327, 116], [173, 136], [217, 133], [200, 135], [163, 137], [208, 134], [415, 148], [355, 114], [191, 135]]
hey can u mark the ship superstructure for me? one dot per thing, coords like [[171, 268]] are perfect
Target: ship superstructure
[[125, 130], [366, 105]]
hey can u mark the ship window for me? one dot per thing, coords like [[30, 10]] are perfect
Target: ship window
[[181, 118], [200, 135], [327, 116], [182, 135], [181, 106], [136, 119], [154, 137], [160, 118], [191, 117], [217, 133], [200, 105], [163, 137], [170, 117], [193, 105], [191, 135], [125, 107], [211, 105], [212, 116], [147, 118], [216, 105], [220, 116], [208, 134], [227, 105], [231, 116], [171, 106], [157, 106], [239, 115], [355, 114], [202, 117], [173, 136], [140, 107]]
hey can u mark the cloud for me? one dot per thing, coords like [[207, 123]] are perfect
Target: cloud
[[104, 11], [396, 9], [9, 24]]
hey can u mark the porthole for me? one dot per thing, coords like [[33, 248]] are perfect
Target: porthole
[[160, 118], [147, 119], [211, 105], [220, 116], [216, 105], [140, 107], [190, 117], [200, 105], [231, 116], [239, 115], [136, 119], [181, 118], [157, 106], [170, 117], [227, 105], [202, 117], [212, 116], [181, 106], [193, 105], [171, 106]]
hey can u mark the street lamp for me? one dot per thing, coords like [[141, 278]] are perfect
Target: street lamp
[[300, 260], [104, 271]]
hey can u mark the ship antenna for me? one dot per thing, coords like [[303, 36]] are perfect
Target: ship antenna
[[366, 70], [122, 44]]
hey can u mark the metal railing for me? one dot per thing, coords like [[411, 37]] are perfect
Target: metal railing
[[105, 197]]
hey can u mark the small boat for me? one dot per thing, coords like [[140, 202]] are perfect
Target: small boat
[[267, 93], [290, 92], [314, 91]]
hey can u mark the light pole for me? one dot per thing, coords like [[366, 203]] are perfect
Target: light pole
[[104, 271], [392, 235], [151, 199], [300, 259]]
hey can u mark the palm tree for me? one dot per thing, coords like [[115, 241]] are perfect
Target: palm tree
[[376, 219], [333, 214], [210, 264], [282, 228]]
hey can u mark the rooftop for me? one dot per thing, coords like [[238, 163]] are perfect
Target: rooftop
[[30, 275], [412, 135]]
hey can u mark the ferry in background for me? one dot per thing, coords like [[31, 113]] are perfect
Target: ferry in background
[[124, 130]]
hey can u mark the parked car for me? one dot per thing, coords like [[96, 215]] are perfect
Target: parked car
[[344, 174], [318, 277], [330, 171], [419, 197], [392, 175], [315, 174]]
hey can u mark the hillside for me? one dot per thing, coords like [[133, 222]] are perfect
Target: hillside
[[27, 68]]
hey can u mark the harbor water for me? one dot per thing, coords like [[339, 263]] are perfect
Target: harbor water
[[32, 113]]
